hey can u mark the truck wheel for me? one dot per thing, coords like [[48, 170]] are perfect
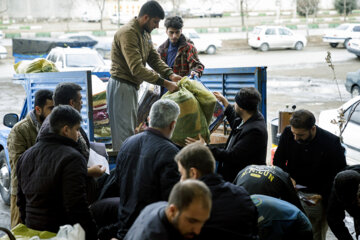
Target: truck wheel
[[333, 45], [355, 91], [4, 179]]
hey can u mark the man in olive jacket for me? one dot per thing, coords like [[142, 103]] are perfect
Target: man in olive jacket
[[21, 137], [131, 50]]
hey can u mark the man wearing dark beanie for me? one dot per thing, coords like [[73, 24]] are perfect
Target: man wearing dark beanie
[[247, 142], [345, 196]]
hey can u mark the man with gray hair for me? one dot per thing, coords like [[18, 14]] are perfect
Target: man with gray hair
[[145, 165]]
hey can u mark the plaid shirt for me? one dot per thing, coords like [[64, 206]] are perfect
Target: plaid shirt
[[186, 59]]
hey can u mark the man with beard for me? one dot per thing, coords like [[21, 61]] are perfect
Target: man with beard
[[131, 50], [182, 217], [247, 142], [312, 157], [22, 136]]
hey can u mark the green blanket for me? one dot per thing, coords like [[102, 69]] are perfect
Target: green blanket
[[196, 109]]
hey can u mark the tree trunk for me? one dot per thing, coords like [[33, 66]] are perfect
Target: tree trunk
[[242, 13], [307, 21], [345, 11]]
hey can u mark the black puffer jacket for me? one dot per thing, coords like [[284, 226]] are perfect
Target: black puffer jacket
[[248, 146], [233, 214], [52, 186], [147, 171]]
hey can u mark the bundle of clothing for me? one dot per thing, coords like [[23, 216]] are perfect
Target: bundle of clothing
[[197, 106], [101, 121]]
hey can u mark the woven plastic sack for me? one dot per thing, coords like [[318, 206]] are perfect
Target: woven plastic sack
[[193, 98], [36, 65]]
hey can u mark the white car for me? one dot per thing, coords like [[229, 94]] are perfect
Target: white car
[[270, 37], [342, 34], [77, 59], [124, 18], [202, 44], [353, 46], [91, 16], [350, 129]]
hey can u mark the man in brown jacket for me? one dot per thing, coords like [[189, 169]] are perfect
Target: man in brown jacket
[[131, 50], [23, 136]]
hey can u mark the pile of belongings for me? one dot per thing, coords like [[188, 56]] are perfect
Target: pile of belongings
[[101, 121], [148, 94], [197, 106], [36, 65]]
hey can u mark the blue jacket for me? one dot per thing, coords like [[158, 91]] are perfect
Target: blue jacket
[[146, 172], [280, 220]]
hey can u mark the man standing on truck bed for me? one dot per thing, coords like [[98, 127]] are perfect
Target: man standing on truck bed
[[131, 50], [179, 52], [21, 137]]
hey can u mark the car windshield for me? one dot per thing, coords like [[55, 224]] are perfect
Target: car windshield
[[342, 27], [83, 60]]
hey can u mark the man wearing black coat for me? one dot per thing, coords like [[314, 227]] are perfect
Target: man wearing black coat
[[247, 143], [181, 218], [52, 178], [233, 214], [312, 157], [345, 196], [145, 165], [68, 93]]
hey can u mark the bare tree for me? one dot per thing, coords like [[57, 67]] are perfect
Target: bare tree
[[175, 6], [68, 5], [306, 7], [4, 6], [100, 4]]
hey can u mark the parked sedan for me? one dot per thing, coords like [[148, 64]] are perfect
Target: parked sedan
[[349, 130], [353, 46], [352, 83], [270, 37], [342, 34], [77, 59], [203, 44]]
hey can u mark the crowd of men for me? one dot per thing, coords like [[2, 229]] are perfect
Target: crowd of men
[[165, 191]]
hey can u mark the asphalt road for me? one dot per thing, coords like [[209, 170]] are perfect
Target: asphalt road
[[294, 77]]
